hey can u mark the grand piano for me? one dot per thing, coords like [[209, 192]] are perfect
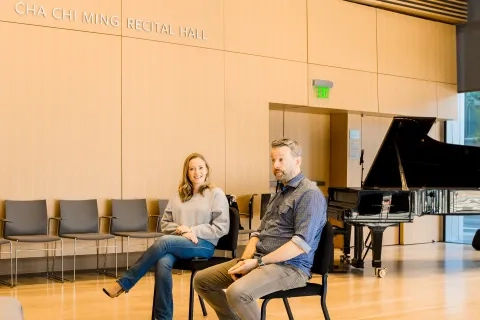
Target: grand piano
[[412, 175]]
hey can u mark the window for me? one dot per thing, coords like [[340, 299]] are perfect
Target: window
[[465, 131]]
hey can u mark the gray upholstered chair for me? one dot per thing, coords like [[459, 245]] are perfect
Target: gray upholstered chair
[[80, 221], [2, 242], [28, 222], [131, 220]]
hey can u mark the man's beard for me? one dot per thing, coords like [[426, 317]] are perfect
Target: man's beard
[[283, 177]]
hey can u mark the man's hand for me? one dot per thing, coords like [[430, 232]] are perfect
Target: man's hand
[[182, 229], [190, 236], [242, 267]]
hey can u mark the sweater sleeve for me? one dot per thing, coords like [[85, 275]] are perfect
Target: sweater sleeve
[[220, 223], [167, 224]]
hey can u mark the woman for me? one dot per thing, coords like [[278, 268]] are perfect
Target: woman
[[194, 220]]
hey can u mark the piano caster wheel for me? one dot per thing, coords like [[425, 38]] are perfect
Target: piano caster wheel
[[345, 261], [381, 272]]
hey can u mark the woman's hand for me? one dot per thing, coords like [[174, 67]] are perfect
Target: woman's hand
[[182, 229], [190, 236]]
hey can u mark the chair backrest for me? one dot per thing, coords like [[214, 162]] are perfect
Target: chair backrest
[[162, 205], [324, 252], [232, 201], [264, 200], [131, 214], [78, 216], [229, 241], [27, 217]]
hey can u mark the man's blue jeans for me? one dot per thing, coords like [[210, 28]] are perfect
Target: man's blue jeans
[[163, 253]]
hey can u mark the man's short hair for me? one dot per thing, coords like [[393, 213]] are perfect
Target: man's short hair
[[293, 145]]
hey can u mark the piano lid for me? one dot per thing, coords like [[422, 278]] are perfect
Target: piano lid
[[427, 163]]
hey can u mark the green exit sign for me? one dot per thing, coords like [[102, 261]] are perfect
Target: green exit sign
[[323, 92], [322, 88]]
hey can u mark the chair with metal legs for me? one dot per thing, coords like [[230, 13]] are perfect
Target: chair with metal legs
[[28, 223], [131, 220], [321, 262], [80, 221], [2, 242]]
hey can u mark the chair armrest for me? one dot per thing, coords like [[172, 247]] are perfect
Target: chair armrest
[[58, 220], [157, 216], [109, 218]]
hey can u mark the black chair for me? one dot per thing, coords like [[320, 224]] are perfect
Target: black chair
[[80, 221], [131, 220], [228, 243], [321, 262], [28, 222]]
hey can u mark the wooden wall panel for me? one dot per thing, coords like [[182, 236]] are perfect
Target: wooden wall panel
[[269, 28], [312, 131], [175, 21], [447, 99], [406, 46], [338, 150], [60, 121], [251, 84], [352, 89], [404, 96], [342, 34], [446, 53], [86, 15], [353, 157], [60, 117], [173, 105], [277, 129], [277, 126]]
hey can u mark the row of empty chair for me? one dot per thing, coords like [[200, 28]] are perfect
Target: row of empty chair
[[27, 221]]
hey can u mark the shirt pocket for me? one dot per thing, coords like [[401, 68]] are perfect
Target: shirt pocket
[[286, 208], [285, 217]]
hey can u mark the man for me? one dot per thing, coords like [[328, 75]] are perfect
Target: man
[[280, 253]]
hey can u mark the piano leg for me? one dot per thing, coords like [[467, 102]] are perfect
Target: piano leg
[[346, 240], [345, 260], [357, 260], [377, 239]]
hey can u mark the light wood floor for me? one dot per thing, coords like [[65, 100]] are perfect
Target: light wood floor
[[429, 281]]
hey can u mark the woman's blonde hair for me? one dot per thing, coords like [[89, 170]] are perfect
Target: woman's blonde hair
[[185, 188]]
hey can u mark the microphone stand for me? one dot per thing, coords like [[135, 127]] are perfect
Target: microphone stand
[[361, 163]]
